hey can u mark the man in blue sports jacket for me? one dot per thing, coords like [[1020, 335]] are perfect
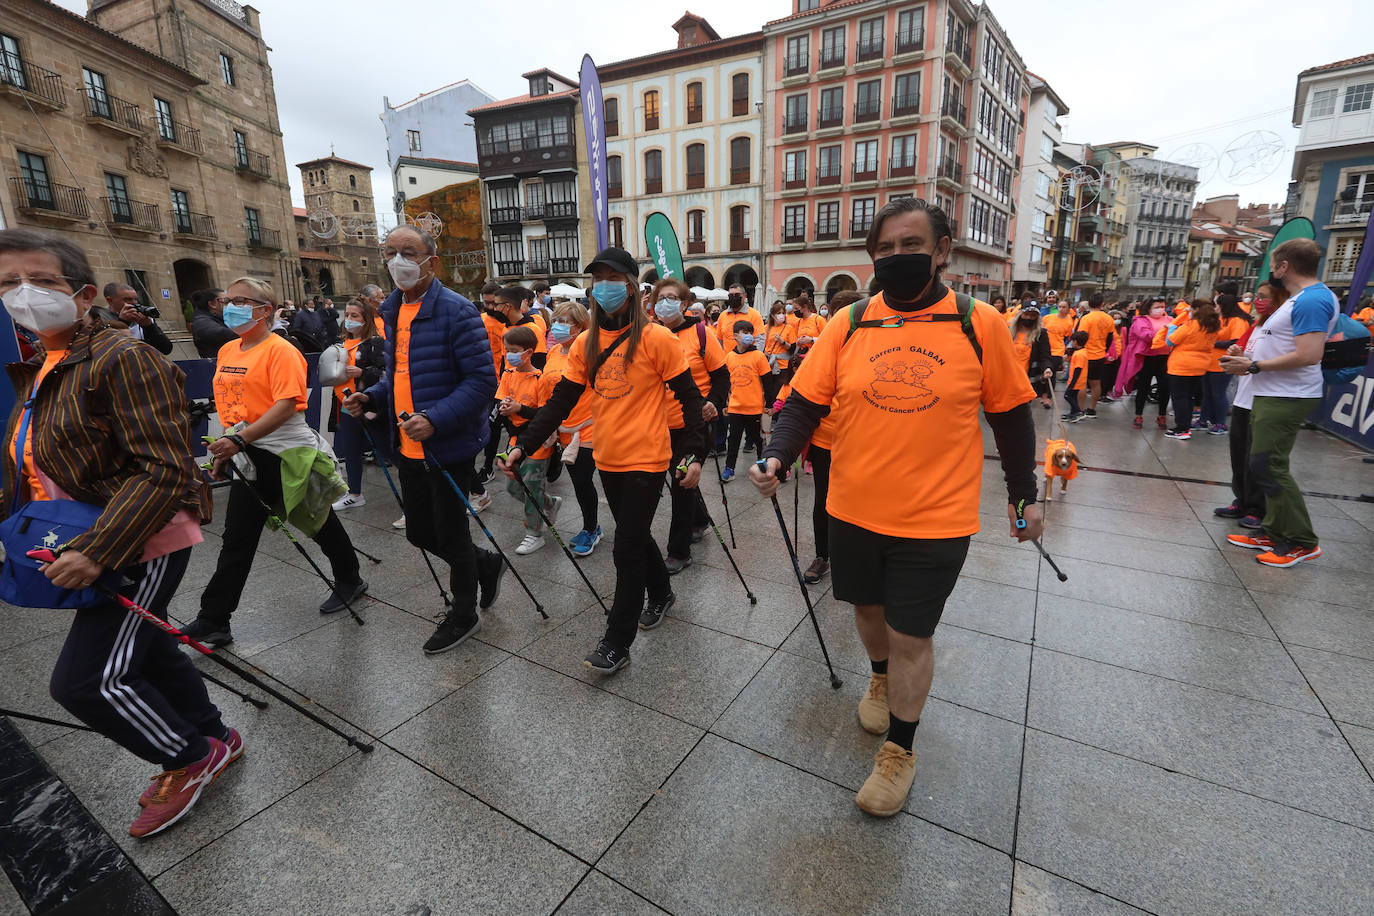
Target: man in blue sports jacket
[[439, 370]]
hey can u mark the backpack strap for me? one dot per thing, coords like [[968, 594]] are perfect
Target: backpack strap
[[856, 318], [963, 306], [701, 339]]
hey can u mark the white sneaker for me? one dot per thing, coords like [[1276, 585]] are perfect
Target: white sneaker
[[530, 544], [481, 502], [555, 503], [399, 523], [350, 501]]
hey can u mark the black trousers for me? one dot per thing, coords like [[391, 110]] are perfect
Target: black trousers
[[1248, 495], [740, 424], [1154, 369], [581, 473], [688, 512], [1185, 390], [639, 570], [130, 681], [494, 444], [243, 525], [772, 384], [437, 521], [820, 519]]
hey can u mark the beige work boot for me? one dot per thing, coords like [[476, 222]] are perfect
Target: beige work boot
[[886, 789], [873, 707]]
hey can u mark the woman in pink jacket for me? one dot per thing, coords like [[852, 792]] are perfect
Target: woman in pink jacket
[[1141, 365]]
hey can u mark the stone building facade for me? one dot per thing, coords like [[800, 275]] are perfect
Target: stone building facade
[[339, 219], [148, 134]]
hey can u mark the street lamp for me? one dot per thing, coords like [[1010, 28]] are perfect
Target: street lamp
[[1168, 251]]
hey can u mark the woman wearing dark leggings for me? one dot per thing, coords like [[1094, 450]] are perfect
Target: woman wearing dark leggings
[[575, 433], [1154, 361]]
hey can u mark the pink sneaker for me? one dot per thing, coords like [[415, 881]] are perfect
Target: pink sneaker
[[235, 744], [175, 792]]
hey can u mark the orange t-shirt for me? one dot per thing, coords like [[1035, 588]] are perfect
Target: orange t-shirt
[[381, 325], [529, 389], [1078, 363], [1099, 325], [496, 328], [701, 366], [36, 491], [810, 326], [914, 392], [248, 382], [747, 370], [351, 348], [554, 369], [1192, 349], [1021, 348], [541, 332], [778, 341], [1231, 329], [630, 398], [1365, 315], [400, 395], [725, 327], [1059, 328]]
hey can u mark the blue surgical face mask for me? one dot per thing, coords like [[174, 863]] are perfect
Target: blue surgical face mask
[[746, 339], [352, 325], [610, 295], [668, 309], [238, 317], [515, 360], [562, 331]]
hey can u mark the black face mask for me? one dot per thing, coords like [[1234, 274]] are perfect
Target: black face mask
[[903, 276], [736, 301]]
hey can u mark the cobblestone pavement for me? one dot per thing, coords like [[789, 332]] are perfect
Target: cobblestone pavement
[[1174, 729]]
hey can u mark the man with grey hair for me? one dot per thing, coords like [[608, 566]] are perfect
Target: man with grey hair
[[123, 301]]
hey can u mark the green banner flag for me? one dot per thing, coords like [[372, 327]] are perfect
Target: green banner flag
[[1299, 227], [664, 250]]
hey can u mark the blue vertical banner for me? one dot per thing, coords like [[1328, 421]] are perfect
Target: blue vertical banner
[[1364, 267], [594, 132]]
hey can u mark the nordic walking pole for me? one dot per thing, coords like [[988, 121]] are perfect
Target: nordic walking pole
[[835, 682], [725, 501], [448, 602], [480, 524], [721, 539], [364, 554], [1020, 524], [505, 456], [43, 720], [233, 473], [796, 497], [48, 556], [241, 694]]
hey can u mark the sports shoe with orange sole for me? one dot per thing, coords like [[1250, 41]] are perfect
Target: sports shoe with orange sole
[[1290, 557], [235, 744], [1251, 541], [873, 707], [885, 791], [176, 792]]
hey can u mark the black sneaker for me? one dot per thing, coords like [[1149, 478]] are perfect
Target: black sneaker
[[653, 612], [490, 581], [607, 658], [342, 596], [209, 632], [451, 633], [1089, 415], [1231, 511]]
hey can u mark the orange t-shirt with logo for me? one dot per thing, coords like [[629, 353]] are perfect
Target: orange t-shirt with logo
[[725, 327], [36, 491], [248, 382], [747, 370], [528, 389], [400, 395], [701, 366], [911, 393], [778, 341], [1192, 349], [630, 398], [1078, 363], [351, 345], [1059, 328], [1099, 325], [554, 370]]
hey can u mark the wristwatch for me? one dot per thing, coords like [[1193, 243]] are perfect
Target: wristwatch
[[1254, 367]]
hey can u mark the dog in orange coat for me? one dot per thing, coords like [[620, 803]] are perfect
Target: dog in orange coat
[[1061, 460]]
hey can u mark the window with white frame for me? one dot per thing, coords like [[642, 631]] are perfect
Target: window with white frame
[[1042, 186], [1322, 103], [1038, 222], [904, 152], [1358, 97], [795, 166], [865, 157], [1047, 147], [794, 223]]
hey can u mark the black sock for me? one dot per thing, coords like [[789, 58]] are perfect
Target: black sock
[[879, 667], [900, 733]]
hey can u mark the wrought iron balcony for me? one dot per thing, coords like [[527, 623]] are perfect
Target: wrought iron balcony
[[832, 58], [899, 169], [115, 113], [560, 209], [43, 198], [795, 124], [869, 50], [193, 225], [793, 236], [796, 64], [31, 83], [867, 111], [829, 117], [132, 214], [859, 226], [565, 266], [903, 105], [909, 40], [828, 176], [535, 268], [950, 171], [951, 107], [960, 49], [532, 214], [252, 163], [264, 239], [827, 230], [865, 171], [505, 214], [172, 134]]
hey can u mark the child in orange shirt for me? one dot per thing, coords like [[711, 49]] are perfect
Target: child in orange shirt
[[747, 368], [1078, 376], [521, 393]]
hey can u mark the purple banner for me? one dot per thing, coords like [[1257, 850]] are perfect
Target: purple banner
[[594, 130], [1364, 268]]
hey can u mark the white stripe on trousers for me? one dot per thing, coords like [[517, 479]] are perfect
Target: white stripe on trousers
[[125, 701]]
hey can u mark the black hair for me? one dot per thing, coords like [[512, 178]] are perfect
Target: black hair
[[1095, 300], [69, 256], [491, 289], [1079, 338], [513, 294], [202, 298], [939, 220], [1228, 288], [743, 325], [539, 286]]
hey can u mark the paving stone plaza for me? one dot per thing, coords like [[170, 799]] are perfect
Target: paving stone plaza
[[1175, 729]]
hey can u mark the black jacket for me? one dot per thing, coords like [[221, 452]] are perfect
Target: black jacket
[[209, 333]]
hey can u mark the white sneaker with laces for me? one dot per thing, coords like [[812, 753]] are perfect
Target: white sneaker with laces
[[530, 544], [400, 523], [350, 501]]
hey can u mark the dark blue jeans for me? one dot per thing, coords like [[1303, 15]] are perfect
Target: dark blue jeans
[[1214, 404], [348, 445]]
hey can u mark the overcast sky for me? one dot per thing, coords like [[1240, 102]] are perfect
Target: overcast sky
[[1185, 75]]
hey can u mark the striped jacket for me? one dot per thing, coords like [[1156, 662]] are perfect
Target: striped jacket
[[110, 428]]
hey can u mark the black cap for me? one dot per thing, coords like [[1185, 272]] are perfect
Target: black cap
[[617, 259], [1029, 311]]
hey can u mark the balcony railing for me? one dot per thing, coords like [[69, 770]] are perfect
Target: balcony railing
[[251, 162], [739, 242], [50, 199], [951, 107], [899, 169], [266, 239], [134, 214], [795, 124], [859, 226], [793, 235], [531, 214], [867, 111], [560, 209], [950, 169], [796, 179], [868, 50], [565, 266], [509, 268], [739, 175], [865, 171], [796, 65], [832, 58], [828, 176], [696, 246], [960, 48], [909, 40], [193, 225], [829, 117], [505, 214], [1351, 211], [534, 268], [103, 108], [33, 82], [175, 135], [827, 230], [908, 104]]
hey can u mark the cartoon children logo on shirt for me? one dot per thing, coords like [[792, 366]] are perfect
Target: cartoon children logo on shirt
[[611, 383], [743, 375], [899, 384]]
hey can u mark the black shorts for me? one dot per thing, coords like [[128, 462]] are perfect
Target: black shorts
[[1057, 364], [1097, 369], [910, 577]]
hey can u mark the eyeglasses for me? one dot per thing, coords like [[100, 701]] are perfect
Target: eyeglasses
[[244, 300], [45, 281], [222, 300]]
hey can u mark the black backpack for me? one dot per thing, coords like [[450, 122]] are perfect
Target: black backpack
[[964, 315]]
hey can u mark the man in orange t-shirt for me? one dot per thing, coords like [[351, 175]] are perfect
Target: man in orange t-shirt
[[1101, 329], [903, 387], [1058, 325]]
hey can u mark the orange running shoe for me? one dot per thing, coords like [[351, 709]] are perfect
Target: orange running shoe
[[1252, 542], [1290, 557]]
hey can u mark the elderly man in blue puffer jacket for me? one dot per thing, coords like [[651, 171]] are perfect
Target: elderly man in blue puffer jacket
[[438, 370]]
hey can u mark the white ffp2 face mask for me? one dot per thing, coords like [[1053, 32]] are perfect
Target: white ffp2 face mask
[[404, 273], [41, 310]]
